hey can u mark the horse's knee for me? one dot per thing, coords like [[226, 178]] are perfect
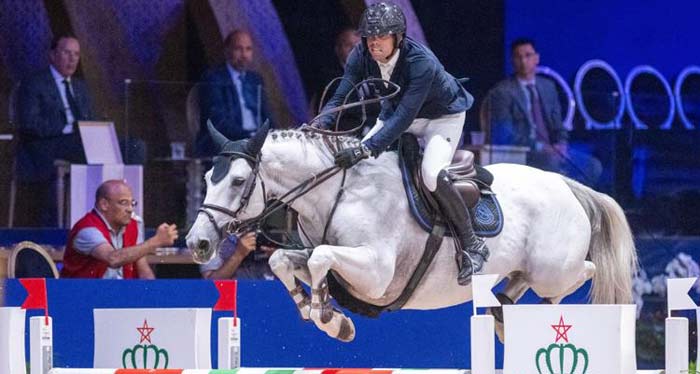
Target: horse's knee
[[321, 260], [280, 263]]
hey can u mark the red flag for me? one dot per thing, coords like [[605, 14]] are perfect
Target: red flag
[[227, 295], [36, 295]]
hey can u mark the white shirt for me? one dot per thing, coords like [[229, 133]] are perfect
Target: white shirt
[[388, 68], [70, 118], [247, 116]]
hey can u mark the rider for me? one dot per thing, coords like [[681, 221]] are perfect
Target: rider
[[430, 105]]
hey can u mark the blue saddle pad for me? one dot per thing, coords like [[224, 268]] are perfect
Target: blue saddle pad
[[487, 217]]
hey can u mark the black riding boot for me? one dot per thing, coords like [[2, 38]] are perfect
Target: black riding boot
[[473, 249]]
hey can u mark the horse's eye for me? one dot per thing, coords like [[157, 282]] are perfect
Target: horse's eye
[[238, 181]]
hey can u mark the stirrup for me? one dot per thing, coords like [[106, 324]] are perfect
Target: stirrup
[[479, 248]]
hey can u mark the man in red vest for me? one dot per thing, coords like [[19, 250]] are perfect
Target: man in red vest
[[107, 242]]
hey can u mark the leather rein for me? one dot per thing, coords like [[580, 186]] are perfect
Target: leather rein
[[236, 226]]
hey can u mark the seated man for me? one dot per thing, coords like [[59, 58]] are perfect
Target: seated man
[[108, 242], [526, 111], [237, 258], [49, 104], [231, 96]]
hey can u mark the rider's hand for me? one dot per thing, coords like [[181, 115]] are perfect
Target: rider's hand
[[350, 156], [246, 243]]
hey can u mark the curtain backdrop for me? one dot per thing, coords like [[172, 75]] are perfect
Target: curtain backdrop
[[25, 36]]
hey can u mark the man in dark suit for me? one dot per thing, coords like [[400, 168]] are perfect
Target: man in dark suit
[[525, 110], [231, 95], [50, 103]]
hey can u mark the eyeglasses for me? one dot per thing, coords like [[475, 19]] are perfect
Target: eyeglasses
[[124, 203]]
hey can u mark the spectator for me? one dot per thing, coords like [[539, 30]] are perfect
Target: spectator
[[108, 242], [50, 103], [345, 41], [431, 105], [232, 95], [525, 110], [236, 258]]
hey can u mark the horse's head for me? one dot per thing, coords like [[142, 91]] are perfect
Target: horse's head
[[234, 193]]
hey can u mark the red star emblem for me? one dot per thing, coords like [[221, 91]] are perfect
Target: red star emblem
[[145, 332], [561, 330]]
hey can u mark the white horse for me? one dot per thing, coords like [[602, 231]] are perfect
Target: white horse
[[557, 233]]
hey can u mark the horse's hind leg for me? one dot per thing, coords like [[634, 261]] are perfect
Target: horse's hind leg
[[289, 265], [361, 267], [587, 273], [514, 290]]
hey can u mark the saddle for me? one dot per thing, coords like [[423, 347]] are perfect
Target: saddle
[[471, 180]]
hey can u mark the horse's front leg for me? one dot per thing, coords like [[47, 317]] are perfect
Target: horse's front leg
[[361, 267], [289, 265]]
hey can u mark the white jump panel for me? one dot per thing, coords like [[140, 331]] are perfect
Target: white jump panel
[[12, 359], [153, 338], [552, 339]]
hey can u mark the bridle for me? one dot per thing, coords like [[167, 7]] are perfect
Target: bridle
[[236, 226], [233, 227]]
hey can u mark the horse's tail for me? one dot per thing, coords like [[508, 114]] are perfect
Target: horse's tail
[[611, 248]]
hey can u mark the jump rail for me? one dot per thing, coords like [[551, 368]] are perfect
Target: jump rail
[[258, 371], [278, 371]]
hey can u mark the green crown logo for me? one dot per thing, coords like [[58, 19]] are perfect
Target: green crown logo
[[561, 359], [138, 357]]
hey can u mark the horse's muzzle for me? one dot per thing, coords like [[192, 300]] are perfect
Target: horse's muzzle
[[203, 251]]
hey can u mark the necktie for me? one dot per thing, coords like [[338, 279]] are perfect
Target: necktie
[[72, 104], [541, 132], [247, 116]]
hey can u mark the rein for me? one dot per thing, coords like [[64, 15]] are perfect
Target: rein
[[345, 106], [237, 227]]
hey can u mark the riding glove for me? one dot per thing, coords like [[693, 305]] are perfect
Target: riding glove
[[350, 156]]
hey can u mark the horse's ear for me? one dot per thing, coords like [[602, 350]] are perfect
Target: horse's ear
[[256, 142], [219, 139]]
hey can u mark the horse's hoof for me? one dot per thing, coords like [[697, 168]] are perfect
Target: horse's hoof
[[497, 312], [346, 333], [305, 313]]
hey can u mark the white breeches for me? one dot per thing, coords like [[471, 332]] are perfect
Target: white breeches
[[439, 138]]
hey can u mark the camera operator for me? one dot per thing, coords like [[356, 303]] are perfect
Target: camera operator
[[240, 257]]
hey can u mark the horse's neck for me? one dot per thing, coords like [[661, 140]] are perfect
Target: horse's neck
[[288, 163]]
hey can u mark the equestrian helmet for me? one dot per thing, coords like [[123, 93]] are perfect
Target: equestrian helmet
[[382, 18]]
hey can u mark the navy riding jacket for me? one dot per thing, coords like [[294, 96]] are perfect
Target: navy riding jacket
[[427, 90]]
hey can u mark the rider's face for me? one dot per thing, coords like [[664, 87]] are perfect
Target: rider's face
[[381, 47]]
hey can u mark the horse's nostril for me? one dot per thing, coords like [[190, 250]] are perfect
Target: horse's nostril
[[204, 252]]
